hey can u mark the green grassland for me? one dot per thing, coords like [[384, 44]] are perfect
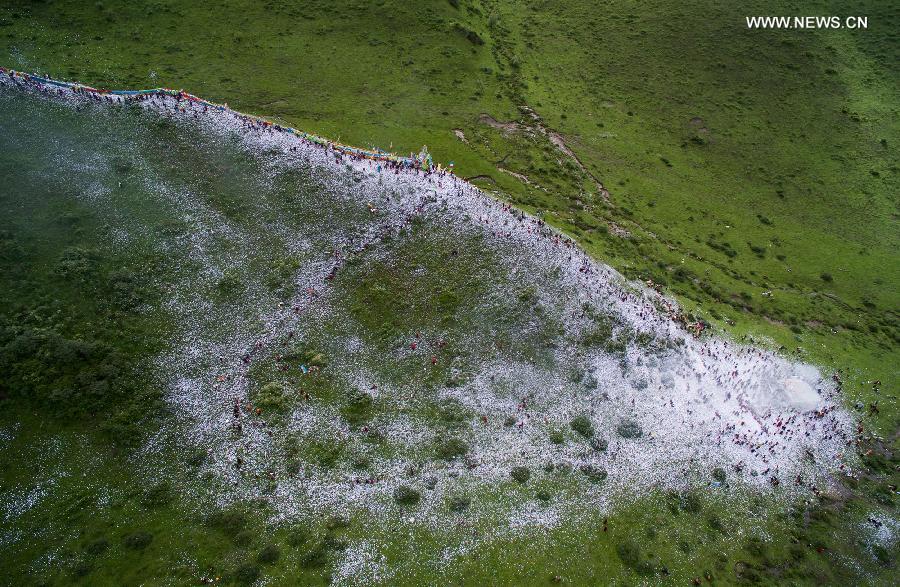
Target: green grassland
[[754, 173]]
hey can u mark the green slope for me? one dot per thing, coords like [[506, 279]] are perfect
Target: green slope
[[741, 162], [99, 267]]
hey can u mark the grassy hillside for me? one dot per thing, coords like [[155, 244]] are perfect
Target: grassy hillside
[[755, 171], [132, 269], [752, 174]]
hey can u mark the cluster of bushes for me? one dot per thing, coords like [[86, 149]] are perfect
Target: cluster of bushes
[[63, 375]]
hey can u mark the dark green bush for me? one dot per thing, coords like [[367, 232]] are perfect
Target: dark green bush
[[268, 555], [406, 495], [594, 473], [358, 409], [229, 521], [137, 540], [599, 444], [297, 536], [247, 574], [97, 547], [583, 426], [630, 554], [159, 495], [459, 503], [520, 474], [629, 429], [272, 397], [315, 557], [452, 448]]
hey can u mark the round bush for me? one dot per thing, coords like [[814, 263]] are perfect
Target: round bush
[[520, 474], [583, 426], [406, 495], [594, 473], [719, 474], [247, 574], [268, 555], [452, 448], [97, 547], [599, 444], [629, 429], [460, 503], [138, 540], [297, 536], [272, 397], [243, 538]]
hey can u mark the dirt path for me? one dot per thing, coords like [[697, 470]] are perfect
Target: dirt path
[[553, 136]]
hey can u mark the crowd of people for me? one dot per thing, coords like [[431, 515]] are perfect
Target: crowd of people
[[721, 374]]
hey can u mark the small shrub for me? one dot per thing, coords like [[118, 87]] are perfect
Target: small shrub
[[297, 536], [630, 554], [138, 540], [158, 495], [337, 522], [460, 503], [826, 277], [452, 412], [78, 262], [557, 436], [406, 495], [243, 538], [719, 474], [97, 547], [325, 454], [197, 457], [599, 444], [583, 426], [316, 557], [269, 555], [629, 429], [690, 503], [520, 474], [247, 574], [451, 449], [230, 521], [361, 462], [358, 409], [83, 569], [593, 473], [272, 397], [883, 555]]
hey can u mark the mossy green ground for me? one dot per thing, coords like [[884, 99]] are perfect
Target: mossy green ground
[[742, 162]]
